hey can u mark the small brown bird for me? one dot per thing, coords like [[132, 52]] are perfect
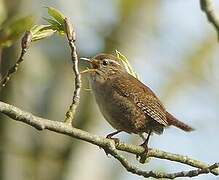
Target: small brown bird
[[125, 102]]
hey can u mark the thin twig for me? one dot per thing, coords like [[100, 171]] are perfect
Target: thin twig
[[165, 155], [208, 8], [71, 36], [25, 43], [107, 144], [135, 170]]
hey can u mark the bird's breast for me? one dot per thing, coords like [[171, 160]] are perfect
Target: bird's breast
[[117, 109]]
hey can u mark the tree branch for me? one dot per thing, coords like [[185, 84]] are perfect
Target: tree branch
[[109, 146], [208, 9], [25, 43], [71, 36]]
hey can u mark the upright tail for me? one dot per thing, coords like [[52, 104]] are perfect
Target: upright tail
[[175, 122]]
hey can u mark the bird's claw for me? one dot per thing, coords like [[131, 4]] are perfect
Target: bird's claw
[[143, 155], [116, 141]]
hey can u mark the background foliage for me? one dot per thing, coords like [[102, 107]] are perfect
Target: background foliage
[[169, 43]]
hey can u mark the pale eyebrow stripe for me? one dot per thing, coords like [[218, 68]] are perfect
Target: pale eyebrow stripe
[[114, 62]]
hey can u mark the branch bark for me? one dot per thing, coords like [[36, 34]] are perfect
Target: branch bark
[[25, 43], [208, 8], [71, 36], [110, 147]]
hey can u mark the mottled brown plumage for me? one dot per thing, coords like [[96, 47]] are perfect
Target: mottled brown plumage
[[126, 103]]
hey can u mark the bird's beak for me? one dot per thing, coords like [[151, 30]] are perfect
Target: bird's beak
[[92, 62], [85, 59]]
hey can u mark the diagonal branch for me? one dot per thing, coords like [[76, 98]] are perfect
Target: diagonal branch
[[25, 43], [208, 9], [107, 144]]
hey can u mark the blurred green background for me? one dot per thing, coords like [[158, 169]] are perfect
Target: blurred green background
[[171, 46]]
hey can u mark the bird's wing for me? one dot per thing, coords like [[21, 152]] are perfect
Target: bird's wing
[[142, 96], [153, 108]]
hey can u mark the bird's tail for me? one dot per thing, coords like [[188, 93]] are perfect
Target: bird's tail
[[175, 122]]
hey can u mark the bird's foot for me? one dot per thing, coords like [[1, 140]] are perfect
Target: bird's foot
[[145, 146], [110, 136], [116, 140], [143, 156]]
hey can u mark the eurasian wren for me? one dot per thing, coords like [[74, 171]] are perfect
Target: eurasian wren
[[125, 102]]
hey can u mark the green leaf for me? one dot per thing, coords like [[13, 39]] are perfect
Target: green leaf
[[57, 15], [58, 22], [54, 24], [41, 32], [125, 62], [51, 21], [37, 28]]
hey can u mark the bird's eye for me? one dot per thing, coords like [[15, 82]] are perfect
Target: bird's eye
[[105, 62]]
